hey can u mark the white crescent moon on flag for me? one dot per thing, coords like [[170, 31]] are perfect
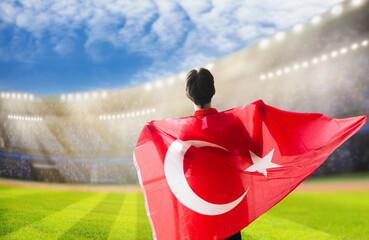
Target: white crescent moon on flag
[[173, 168]]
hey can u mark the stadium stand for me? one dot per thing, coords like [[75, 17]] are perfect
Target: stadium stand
[[89, 137]]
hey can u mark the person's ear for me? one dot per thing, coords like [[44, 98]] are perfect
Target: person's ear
[[187, 96]]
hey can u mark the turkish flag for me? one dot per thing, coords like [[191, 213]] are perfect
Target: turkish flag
[[209, 177]]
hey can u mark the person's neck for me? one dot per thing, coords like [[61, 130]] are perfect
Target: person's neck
[[205, 106]]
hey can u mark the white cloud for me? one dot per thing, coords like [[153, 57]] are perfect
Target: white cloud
[[165, 30]]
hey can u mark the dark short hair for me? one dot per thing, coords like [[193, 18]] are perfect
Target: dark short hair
[[200, 86]]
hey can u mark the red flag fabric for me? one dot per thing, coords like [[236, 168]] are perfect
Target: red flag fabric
[[208, 177]]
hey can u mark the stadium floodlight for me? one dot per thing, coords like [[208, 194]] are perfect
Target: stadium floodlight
[[62, 97], [337, 10], [298, 28], [158, 84], [148, 86], [279, 72], [343, 50], [287, 70], [104, 117], [315, 60], [13, 95], [171, 80], [182, 76], [280, 36], [365, 43], [86, 96], [356, 2], [109, 117], [354, 46], [78, 96], [148, 111], [305, 64], [296, 66], [94, 95], [316, 19], [324, 57], [262, 77], [209, 66], [31, 97], [334, 54], [104, 94], [270, 75], [264, 43]]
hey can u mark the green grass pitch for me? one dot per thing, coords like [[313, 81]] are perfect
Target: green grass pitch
[[29, 213]]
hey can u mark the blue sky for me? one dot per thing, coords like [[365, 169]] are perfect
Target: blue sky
[[66, 46]]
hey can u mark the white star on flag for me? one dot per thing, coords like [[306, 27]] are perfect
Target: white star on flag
[[262, 164]]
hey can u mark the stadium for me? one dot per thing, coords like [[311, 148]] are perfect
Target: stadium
[[88, 137]]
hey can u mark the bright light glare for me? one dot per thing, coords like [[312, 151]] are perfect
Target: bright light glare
[[279, 72], [158, 84], [343, 51], [280, 36], [262, 77], [287, 70], [148, 86], [296, 66], [324, 58], [264, 43], [298, 28], [171, 80], [182, 75], [365, 43], [315, 61], [334, 54], [270, 75], [305, 64], [209, 66], [356, 2], [62, 97], [337, 10], [316, 20], [104, 94]]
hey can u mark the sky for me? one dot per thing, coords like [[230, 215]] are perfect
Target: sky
[[66, 46]]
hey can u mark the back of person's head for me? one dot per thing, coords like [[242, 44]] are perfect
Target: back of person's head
[[200, 86]]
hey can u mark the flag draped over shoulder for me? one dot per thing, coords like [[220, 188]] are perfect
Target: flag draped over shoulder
[[208, 177]]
